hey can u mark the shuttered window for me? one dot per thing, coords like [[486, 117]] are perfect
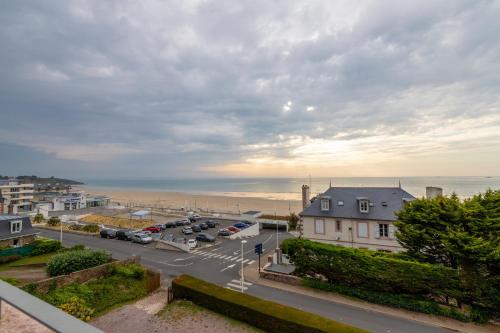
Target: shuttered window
[[319, 226]]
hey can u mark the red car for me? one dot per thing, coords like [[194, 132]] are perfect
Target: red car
[[233, 229], [152, 229]]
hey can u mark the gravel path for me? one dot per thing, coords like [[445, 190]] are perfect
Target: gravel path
[[146, 315]]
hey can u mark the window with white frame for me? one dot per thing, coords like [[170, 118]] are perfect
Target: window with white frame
[[363, 229], [16, 226], [319, 226], [364, 206], [325, 204], [383, 230]]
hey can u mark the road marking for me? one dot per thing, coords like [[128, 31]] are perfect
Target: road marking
[[251, 262], [228, 267], [217, 256], [236, 286], [233, 258], [244, 282], [239, 260], [244, 261]]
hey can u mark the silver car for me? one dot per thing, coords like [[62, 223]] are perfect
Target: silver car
[[187, 231], [142, 238]]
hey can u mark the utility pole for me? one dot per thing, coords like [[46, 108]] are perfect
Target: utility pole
[[242, 278]]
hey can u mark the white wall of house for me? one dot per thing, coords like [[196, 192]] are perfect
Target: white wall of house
[[367, 234]]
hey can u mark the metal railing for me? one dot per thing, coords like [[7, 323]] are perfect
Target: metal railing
[[48, 315]]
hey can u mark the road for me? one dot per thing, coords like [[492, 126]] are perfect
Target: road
[[220, 264]]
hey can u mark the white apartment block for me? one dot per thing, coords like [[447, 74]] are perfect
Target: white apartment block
[[16, 197]]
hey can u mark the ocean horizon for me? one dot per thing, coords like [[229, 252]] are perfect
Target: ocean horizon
[[290, 188]]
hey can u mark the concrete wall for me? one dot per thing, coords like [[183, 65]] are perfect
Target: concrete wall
[[171, 246], [348, 235], [248, 232]]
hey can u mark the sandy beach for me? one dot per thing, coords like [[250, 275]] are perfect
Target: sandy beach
[[216, 203]]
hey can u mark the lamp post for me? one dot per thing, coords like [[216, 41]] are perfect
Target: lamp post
[[242, 278]]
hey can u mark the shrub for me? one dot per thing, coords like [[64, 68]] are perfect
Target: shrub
[[266, 315], [402, 301], [43, 246], [53, 221], [38, 218], [77, 308], [371, 270], [72, 261], [90, 228], [129, 271], [75, 227]]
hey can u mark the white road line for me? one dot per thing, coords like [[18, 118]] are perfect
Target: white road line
[[217, 256], [244, 261], [196, 251], [239, 282], [228, 267], [236, 286], [223, 257], [251, 262], [233, 258], [238, 260]]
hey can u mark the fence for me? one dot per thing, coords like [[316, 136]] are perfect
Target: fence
[[22, 251]]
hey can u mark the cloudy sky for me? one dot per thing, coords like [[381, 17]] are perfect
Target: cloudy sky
[[249, 88]]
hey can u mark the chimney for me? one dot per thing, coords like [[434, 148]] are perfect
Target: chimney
[[306, 193], [432, 192]]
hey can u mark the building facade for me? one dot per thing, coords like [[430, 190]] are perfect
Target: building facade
[[16, 197], [360, 217], [15, 231]]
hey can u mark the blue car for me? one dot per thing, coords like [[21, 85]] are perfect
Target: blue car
[[240, 225]]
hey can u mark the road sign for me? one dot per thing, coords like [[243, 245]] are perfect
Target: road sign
[[258, 249]]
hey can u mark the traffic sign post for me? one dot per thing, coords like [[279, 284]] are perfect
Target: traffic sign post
[[258, 251]]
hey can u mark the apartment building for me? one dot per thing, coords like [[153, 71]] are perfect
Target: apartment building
[[16, 197], [361, 217]]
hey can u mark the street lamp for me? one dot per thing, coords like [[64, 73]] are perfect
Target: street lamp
[[242, 278]]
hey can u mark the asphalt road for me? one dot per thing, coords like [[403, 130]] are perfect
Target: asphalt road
[[219, 264]]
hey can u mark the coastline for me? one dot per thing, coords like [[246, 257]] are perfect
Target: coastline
[[239, 202]]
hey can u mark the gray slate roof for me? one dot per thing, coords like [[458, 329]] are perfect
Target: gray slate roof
[[5, 227], [392, 196]]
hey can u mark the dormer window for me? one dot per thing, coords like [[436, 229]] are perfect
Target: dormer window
[[364, 206], [16, 226], [340, 203], [325, 204]]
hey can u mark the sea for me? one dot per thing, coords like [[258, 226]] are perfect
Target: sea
[[290, 188]]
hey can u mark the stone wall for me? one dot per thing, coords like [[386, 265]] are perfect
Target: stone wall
[[284, 278], [80, 276]]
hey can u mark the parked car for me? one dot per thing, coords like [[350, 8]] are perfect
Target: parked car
[[179, 223], [240, 225], [224, 232], [203, 237], [192, 243], [186, 222], [194, 218], [124, 235], [154, 230], [211, 224], [203, 226], [196, 228], [248, 223], [141, 238], [187, 231], [108, 233], [233, 229], [161, 226], [170, 225]]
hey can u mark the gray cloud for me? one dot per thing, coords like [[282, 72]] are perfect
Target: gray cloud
[[109, 85]]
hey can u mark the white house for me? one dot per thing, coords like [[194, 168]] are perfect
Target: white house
[[361, 217]]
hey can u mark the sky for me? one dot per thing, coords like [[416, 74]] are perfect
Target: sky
[[110, 89]]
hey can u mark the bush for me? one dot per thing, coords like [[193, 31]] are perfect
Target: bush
[[77, 308], [402, 301], [370, 270], [54, 221], [90, 228], [266, 315], [72, 261], [129, 271], [43, 246], [38, 218], [11, 258]]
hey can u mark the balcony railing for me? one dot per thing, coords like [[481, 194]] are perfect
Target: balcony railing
[[48, 315]]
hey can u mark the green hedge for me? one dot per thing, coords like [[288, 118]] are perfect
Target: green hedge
[[72, 261], [266, 315], [401, 301], [369, 270], [43, 246]]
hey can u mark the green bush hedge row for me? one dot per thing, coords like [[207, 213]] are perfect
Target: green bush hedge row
[[72, 261], [402, 301], [43, 246], [266, 315], [364, 269]]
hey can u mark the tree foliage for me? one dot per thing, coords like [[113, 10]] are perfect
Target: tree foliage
[[293, 220]]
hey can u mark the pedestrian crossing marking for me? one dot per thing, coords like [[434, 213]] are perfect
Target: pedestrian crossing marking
[[251, 262], [244, 282]]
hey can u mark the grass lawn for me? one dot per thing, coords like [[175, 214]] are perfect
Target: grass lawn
[[27, 261]]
